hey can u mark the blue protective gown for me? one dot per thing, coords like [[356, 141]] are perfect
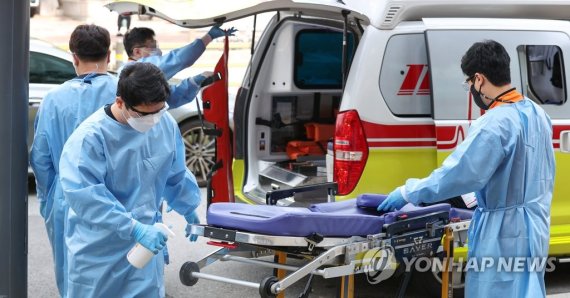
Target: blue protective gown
[[174, 62], [60, 112], [508, 156], [110, 175]]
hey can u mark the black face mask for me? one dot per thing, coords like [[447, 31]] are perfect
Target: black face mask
[[477, 98]]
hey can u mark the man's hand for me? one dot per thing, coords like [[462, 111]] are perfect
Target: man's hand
[[216, 32], [191, 218], [199, 79], [394, 201], [149, 236]]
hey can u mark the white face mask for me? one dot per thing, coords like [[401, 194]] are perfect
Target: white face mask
[[155, 52], [143, 124]]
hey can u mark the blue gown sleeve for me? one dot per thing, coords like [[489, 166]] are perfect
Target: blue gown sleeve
[[177, 59], [42, 164], [467, 169], [82, 176], [181, 192], [182, 93], [41, 159]]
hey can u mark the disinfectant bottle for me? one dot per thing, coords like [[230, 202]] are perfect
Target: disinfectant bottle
[[139, 255]]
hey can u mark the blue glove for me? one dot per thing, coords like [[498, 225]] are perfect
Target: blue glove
[[394, 201], [216, 32], [191, 218], [149, 236], [199, 79]]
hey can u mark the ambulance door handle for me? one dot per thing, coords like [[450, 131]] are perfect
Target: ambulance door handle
[[565, 141]]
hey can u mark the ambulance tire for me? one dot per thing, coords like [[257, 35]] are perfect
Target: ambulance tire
[[265, 287], [199, 148], [430, 283]]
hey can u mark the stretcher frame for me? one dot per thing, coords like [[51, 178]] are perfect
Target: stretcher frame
[[328, 257]]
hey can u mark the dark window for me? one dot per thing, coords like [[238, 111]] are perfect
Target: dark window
[[545, 74], [47, 69], [318, 59]]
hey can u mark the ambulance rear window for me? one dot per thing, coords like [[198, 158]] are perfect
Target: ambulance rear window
[[318, 59], [545, 77]]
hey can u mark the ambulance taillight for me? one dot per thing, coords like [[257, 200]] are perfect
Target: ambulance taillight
[[350, 151]]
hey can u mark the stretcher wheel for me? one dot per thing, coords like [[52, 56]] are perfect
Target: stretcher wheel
[[186, 273], [265, 287]]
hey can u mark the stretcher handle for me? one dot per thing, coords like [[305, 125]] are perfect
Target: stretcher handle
[[431, 221], [272, 196]]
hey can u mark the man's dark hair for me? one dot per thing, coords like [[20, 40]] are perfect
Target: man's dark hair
[[142, 84], [136, 38], [490, 59], [90, 43]]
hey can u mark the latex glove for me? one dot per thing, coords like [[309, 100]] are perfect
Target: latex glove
[[191, 218], [149, 236], [216, 32], [198, 79], [394, 201]]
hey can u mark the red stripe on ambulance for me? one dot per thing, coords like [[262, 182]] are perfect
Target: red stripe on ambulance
[[426, 135]]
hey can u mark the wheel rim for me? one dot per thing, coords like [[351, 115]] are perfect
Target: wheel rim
[[200, 151]]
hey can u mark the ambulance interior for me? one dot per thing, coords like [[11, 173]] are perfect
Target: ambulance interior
[[545, 80], [293, 108]]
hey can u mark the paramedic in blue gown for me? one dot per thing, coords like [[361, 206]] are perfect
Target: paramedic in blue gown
[[141, 46], [508, 158], [115, 169], [61, 111], [67, 105]]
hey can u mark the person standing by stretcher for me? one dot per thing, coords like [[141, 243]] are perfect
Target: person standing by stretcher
[[508, 158], [115, 170]]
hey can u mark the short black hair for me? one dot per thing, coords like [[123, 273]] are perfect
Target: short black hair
[[90, 42], [136, 37], [490, 59], [142, 83]]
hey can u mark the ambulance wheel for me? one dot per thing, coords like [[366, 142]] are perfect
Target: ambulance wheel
[[265, 287], [186, 273], [200, 149]]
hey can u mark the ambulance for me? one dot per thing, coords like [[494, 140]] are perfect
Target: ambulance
[[366, 94]]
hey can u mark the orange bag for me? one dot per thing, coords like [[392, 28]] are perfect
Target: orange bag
[[319, 132], [302, 148]]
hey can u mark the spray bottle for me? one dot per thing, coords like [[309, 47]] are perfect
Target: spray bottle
[[139, 255]]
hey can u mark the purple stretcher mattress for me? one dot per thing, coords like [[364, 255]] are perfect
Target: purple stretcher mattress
[[339, 219]]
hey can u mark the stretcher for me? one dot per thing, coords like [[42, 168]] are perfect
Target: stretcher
[[334, 238]]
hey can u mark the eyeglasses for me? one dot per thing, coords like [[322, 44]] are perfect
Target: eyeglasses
[[465, 83], [142, 114], [149, 45]]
